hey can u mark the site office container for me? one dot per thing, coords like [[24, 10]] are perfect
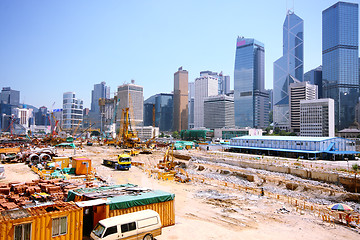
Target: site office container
[[82, 165], [62, 221], [159, 201], [64, 162]]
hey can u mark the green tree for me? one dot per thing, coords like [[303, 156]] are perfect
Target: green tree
[[355, 167], [176, 134]]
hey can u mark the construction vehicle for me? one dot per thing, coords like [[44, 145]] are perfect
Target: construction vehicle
[[123, 162], [168, 161], [127, 137]]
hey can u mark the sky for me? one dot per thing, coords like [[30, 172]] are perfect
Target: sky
[[51, 47]]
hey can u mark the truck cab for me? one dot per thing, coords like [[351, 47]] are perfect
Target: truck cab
[[123, 162]]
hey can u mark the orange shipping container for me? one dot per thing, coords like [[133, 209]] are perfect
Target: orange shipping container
[[82, 166], [58, 221]]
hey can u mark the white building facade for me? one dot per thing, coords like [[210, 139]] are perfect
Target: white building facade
[[299, 91], [131, 96], [317, 118], [205, 86], [72, 111]]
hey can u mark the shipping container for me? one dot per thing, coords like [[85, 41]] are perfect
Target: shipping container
[[56, 221]]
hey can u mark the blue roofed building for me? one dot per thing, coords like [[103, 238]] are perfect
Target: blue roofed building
[[332, 148]]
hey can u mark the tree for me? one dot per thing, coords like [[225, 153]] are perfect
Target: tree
[[355, 167], [175, 134]]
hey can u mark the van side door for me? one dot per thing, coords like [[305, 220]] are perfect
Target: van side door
[[128, 229]]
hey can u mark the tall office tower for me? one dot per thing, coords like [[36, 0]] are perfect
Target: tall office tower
[[131, 96], [9, 96], [271, 104], [191, 103], [206, 85], [72, 111], [219, 112], [251, 101], [42, 117], [288, 69], [224, 84], [162, 105], [317, 118], [181, 111], [100, 91], [340, 46], [314, 77], [299, 91]]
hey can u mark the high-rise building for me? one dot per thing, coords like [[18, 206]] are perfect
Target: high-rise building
[[42, 117], [317, 118], [9, 96], [191, 103], [340, 53], [224, 84], [131, 96], [181, 111], [251, 101], [288, 69], [299, 91], [162, 104], [206, 85], [314, 77], [72, 111], [100, 91], [219, 112]]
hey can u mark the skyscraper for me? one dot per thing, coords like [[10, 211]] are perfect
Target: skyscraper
[[131, 96], [72, 111], [219, 112], [206, 85], [314, 76], [163, 104], [100, 91], [288, 69], [299, 91], [340, 46], [224, 84], [180, 116], [9, 96], [191, 103], [251, 101]]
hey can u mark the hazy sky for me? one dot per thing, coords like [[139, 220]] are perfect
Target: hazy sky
[[51, 47]]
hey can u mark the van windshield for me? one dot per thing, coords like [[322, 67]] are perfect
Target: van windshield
[[99, 230]]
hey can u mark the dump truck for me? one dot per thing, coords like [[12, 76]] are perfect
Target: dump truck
[[123, 162]]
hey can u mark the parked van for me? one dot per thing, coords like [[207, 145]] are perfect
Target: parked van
[[143, 225]]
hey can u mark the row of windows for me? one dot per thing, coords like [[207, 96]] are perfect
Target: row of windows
[[23, 231]]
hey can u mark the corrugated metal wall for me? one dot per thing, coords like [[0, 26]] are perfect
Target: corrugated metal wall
[[166, 211], [41, 226]]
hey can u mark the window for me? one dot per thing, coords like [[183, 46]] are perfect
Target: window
[[128, 227], [22, 231], [110, 230], [59, 226]]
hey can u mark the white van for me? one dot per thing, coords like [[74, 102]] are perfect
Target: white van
[[144, 225]]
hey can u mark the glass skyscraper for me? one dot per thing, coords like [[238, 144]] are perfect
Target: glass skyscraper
[[163, 103], [289, 68], [251, 101], [340, 46]]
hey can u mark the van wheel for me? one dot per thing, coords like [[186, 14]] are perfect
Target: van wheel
[[148, 237]]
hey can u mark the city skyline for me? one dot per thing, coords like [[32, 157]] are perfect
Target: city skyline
[[52, 48]]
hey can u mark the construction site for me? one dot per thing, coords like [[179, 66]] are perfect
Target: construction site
[[209, 194], [63, 184]]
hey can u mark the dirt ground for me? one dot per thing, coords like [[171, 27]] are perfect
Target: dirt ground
[[205, 211]]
